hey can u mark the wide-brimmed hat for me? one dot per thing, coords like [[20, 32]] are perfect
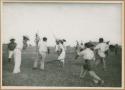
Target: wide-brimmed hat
[[12, 39], [44, 38], [63, 40], [26, 37]]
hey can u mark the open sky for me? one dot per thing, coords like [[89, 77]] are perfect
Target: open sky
[[70, 21]]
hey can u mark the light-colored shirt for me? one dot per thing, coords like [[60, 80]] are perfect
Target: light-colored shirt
[[82, 47], [62, 54], [43, 47], [102, 47], [87, 54], [61, 47], [57, 47]]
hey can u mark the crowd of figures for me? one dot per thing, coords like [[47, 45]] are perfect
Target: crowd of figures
[[92, 53]]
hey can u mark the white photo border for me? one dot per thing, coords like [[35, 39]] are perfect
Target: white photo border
[[66, 1]]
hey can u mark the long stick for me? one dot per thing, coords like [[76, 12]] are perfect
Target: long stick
[[54, 35]]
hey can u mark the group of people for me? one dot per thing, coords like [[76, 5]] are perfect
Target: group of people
[[92, 54], [42, 49], [15, 50]]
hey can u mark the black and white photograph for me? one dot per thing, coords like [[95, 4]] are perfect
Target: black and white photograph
[[62, 44]]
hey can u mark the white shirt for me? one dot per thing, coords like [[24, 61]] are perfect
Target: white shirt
[[82, 47], [102, 47], [43, 46], [87, 54], [61, 47], [57, 47], [63, 54]]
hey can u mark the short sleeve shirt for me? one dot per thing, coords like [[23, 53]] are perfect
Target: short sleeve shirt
[[42, 46], [102, 47], [87, 54]]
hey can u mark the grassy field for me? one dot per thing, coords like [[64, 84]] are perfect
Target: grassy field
[[55, 75]]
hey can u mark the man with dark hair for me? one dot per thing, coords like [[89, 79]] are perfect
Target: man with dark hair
[[43, 49], [81, 46], [101, 48], [25, 39], [101, 40], [11, 47]]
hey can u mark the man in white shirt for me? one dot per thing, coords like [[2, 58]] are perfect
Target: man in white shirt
[[43, 49], [101, 48], [88, 66]]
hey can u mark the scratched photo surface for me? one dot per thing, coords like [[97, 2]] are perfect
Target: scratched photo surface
[[76, 23]]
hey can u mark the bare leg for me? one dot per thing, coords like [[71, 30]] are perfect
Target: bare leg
[[10, 56], [83, 72], [104, 64], [63, 62], [36, 61], [42, 65], [94, 75], [42, 61], [96, 78], [95, 81]]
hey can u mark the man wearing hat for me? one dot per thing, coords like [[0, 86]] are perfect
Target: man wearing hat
[[11, 47]]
